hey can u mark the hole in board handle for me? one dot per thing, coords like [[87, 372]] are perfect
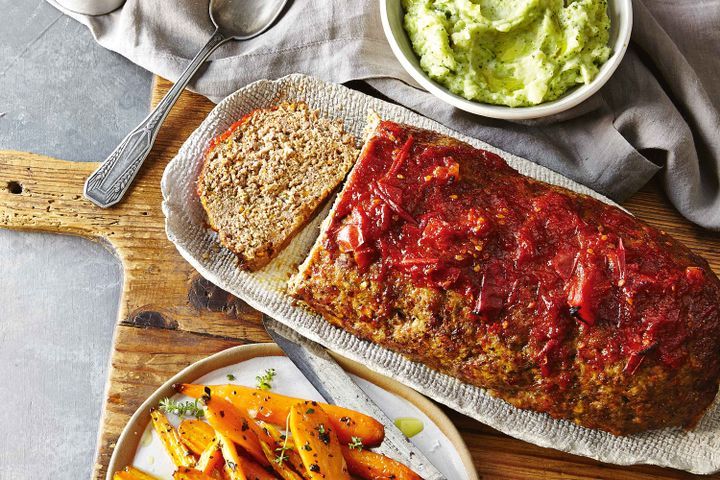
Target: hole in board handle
[[14, 187]]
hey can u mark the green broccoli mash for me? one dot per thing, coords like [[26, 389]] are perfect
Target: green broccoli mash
[[509, 52]]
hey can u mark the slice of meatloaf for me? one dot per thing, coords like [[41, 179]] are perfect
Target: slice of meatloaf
[[550, 300], [263, 178]]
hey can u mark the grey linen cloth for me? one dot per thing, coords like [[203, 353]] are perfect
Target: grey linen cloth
[[662, 103]]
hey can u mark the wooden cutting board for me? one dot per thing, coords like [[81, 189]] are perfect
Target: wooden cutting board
[[170, 317]]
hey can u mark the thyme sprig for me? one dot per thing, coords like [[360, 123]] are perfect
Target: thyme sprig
[[264, 381], [356, 443], [182, 409]]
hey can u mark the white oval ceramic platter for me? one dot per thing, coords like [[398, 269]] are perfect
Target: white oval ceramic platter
[[265, 290], [140, 446]]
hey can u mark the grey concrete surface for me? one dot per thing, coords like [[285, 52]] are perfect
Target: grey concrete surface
[[59, 296], [64, 96]]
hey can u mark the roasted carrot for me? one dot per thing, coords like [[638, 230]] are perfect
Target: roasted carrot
[[170, 438], [361, 463], [132, 473], [210, 457], [280, 463], [374, 466], [234, 424], [186, 473], [239, 467], [286, 445], [195, 434], [253, 471], [271, 430], [274, 408], [317, 442], [233, 461]]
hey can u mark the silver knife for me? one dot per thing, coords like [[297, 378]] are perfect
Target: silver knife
[[337, 388]]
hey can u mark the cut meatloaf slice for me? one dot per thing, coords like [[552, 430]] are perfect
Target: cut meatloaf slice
[[550, 300], [263, 178]]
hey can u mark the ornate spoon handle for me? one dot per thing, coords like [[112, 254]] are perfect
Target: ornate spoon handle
[[107, 185]]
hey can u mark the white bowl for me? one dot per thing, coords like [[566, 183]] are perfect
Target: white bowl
[[619, 11]]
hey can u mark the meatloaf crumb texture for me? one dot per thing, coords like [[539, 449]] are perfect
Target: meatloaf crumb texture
[[548, 299], [263, 178]]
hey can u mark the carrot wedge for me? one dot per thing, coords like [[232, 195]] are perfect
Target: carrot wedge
[[317, 442], [233, 461], [239, 467], [254, 471], [180, 455], [282, 468], [290, 450], [374, 466], [132, 473], [195, 434], [186, 473], [210, 457], [274, 408], [234, 424]]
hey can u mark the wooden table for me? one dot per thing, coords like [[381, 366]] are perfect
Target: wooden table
[[170, 317]]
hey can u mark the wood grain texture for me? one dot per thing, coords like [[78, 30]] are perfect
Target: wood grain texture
[[169, 317]]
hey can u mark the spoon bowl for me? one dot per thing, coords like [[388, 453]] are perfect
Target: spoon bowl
[[231, 18]]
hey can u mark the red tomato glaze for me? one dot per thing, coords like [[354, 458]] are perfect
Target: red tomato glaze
[[528, 257]]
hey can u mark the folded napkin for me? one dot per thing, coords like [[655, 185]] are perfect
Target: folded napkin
[[658, 113]]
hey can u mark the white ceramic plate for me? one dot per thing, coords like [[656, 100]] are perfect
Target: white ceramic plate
[[140, 446], [621, 19]]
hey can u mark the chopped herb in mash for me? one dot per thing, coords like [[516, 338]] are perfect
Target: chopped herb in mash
[[509, 52]]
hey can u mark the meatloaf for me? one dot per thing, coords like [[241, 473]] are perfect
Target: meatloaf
[[548, 299], [264, 178]]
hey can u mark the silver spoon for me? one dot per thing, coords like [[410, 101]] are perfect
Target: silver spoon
[[233, 20]]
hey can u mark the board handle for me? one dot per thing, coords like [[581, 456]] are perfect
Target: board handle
[[45, 194]]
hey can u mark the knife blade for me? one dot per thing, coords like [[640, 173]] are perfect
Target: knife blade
[[337, 388]]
